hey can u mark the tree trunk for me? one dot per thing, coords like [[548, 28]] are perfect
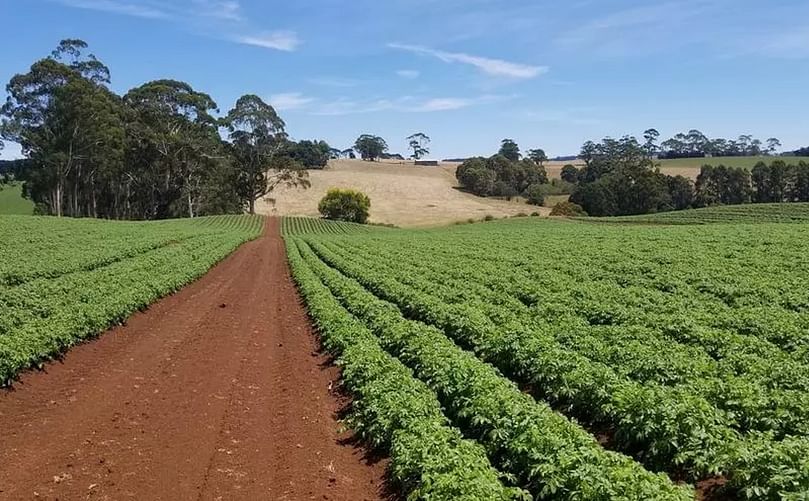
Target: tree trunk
[[59, 190], [190, 206], [252, 205]]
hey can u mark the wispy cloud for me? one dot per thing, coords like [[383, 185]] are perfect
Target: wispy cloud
[[495, 67], [217, 18], [278, 40], [636, 30], [228, 10], [290, 101], [409, 74], [117, 7], [403, 104]]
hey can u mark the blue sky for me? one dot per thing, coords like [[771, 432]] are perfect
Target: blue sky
[[466, 72]]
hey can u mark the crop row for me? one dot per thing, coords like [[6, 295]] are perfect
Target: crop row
[[43, 247], [393, 410], [748, 213], [296, 226], [664, 425], [750, 394], [43, 316], [548, 454]]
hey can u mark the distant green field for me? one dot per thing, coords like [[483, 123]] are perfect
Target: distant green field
[[748, 213], [746, 162], [12, 202]]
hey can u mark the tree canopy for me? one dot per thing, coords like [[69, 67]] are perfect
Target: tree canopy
[[509, 149], [419, 144], [370, 147], [155, 152]]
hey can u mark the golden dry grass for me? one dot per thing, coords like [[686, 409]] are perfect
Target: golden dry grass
[[401, 194]]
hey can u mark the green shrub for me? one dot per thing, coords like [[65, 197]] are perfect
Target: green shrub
[[568, 209], [345, 205], [488, 217], [535, 194]]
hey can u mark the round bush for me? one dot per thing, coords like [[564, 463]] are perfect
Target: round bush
[[345, 205], [568, 209]]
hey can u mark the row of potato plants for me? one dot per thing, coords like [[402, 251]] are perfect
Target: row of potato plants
[[548, 454], [45, 316], [299, 225], [665, 426], [752, 397], [721, 308], [43, 247], [747, 213], [394, 411]]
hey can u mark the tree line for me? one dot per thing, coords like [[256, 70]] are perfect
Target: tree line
[[155, 152], [695, 144], [506, 174], [621, 177]]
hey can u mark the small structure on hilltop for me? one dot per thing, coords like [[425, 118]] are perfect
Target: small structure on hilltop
[[427, 163]]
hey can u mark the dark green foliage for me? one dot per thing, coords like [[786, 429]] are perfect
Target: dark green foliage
[[570, 174], [500, 176], [780, 182], [535, 194], [695, 144], [723, 185], [619, 179], [419, 143], [370, 147], [345, 205], [509, 149], [310, 154], [154, 153], [537, 156], [681, 190]]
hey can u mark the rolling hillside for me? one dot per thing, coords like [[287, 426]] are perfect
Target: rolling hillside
[[401, 194]]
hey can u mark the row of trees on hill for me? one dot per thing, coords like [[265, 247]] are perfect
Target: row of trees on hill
[[155, 152], [620, 177], [372, 147], [506, 174], [694, 144]]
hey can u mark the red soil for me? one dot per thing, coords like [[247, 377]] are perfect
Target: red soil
[[216, 392]]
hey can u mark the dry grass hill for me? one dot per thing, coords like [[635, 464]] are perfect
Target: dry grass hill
[[401, 194]]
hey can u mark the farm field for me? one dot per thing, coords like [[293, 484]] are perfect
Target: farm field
[[64, 280], [662, 362], [12, 202], [746, 162], [218, 391], [748, 213]]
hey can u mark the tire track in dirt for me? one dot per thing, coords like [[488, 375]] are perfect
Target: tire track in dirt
[[216, 392]]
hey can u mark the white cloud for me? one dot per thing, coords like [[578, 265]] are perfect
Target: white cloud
[[495, 67], [409, 74], [444, 104], [116, 7], [278, 40], [290, 101]]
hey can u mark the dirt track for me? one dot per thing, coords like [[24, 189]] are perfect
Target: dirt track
[[216, 392]]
